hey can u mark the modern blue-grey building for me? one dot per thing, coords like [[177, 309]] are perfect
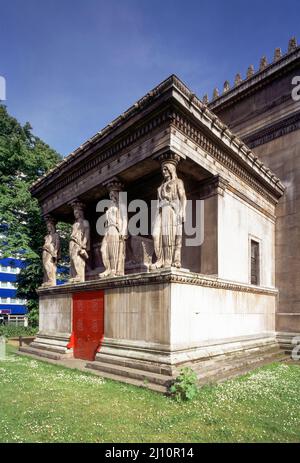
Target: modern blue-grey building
[[12, 308]]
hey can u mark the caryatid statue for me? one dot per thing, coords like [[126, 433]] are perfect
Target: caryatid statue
[[170, 216], [51, 252], [113, 243], [79, 244]]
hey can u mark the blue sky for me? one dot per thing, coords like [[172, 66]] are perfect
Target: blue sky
[[71, 66]]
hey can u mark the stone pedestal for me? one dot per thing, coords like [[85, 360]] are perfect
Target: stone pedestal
[[156, 322], [55, 324]]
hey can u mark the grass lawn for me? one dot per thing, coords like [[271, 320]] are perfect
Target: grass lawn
[[40, 402]]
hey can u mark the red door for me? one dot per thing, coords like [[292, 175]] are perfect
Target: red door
[[88, 323]]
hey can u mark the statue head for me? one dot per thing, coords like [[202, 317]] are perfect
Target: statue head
[[169, 171], [50, 224], [114, 196], [78, 213], [78, 210]]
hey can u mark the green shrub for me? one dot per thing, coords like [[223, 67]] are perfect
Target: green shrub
[[33, 314], [185, 386], [13, 331]]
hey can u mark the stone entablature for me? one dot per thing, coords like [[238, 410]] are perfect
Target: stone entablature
[[223, 155], [255, 195], [162, 276]]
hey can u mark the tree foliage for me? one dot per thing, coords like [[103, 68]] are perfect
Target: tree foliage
[[23, 159]]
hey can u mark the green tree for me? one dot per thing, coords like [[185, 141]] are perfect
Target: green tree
[[23, 159]]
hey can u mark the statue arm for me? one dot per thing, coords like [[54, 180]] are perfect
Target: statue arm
[[57, 246], [182, 198], [49, 246], [86, 236], [124, 220], [158, 201]]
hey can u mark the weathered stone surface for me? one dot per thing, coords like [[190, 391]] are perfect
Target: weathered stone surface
[[55, 314]]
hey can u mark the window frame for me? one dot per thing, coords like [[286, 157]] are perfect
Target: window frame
[[258, 241]]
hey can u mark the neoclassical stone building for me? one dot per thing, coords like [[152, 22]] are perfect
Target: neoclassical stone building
[[223, 306]]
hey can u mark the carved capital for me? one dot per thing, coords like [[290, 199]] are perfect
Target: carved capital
[[113, 184], [168, 157], [77, 204]]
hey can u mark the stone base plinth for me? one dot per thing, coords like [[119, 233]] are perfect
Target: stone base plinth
[[288, 341], [156, 322], [214, 362]]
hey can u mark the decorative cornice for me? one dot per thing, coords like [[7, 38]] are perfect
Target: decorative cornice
[[273, 131], [190, 130], [158, 277], [230, 141]]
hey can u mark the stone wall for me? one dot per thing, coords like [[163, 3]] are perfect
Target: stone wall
[[55, 314], [238, 223], [283, 155]]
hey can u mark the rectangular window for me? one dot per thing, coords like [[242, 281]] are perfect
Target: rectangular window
[[255, 263]]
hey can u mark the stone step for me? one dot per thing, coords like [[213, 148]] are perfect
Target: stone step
[[141, 375], [244, 356], [49, 347], [233, 373], [133, 363], [69, 364], [248, 359], [213, 369], [287, 347], [228, 365], [233, 369], [220, 371], [39, 352], [234, 361], [236, 355]]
